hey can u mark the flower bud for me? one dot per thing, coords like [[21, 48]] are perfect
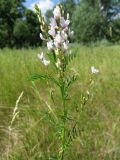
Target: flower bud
[[57, 12], [42, 28], [41, 36], [40, 20], [58, 63], [57, 52], [68, 16]]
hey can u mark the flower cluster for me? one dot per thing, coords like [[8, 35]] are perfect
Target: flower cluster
[[57, 37]]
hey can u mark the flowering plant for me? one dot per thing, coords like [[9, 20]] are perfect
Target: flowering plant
[[57, 36]]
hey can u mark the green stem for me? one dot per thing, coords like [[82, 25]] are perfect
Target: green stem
[[64, 121], [63, 136]]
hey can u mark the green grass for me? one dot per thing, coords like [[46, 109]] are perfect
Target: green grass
[[32, 138]]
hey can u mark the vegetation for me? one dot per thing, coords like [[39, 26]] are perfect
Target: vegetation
[[39, 120], [99, 133], [91, 21], [89, 25], [14, 17]]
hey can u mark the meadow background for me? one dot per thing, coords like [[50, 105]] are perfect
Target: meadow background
[[96, 42], [99, 121]]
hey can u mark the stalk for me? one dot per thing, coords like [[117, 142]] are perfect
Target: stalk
[[57, 38], [64, 130], [64, 116]]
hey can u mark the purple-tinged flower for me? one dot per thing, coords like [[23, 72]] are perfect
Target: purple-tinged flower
[[64, 23], [52, 32], [64, 35], [53, 23], [58, 38]]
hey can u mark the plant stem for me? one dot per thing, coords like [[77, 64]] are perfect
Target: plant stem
[[64, 130], [64, 120]]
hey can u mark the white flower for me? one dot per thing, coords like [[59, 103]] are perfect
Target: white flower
[[57, 12], [58, 38], [94, 70], [65, 29], [50, 45], [65, 46], [53, 23], [52, 32], [41, 56], [64, 35], [67, 22], [46, 62], [57, 45], [71, 33], [64, 23]]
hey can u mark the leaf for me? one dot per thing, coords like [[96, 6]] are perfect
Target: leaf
[[73, 133], [70, 57], [44, 77], [52, 56], [49, 118], [70, 80]]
